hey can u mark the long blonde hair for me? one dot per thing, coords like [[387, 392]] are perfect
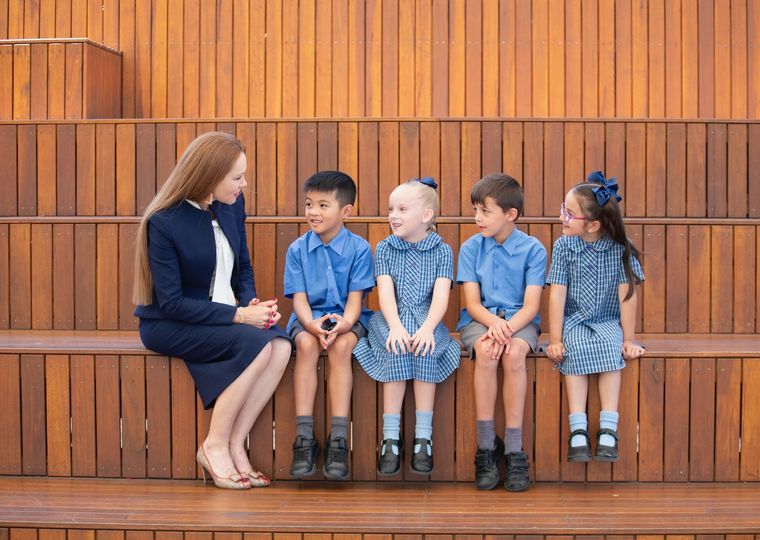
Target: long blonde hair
[[204, 164]]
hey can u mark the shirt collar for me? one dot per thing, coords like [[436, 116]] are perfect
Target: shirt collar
[[337, 244], [578, 244], [509, 244], [429, 242]]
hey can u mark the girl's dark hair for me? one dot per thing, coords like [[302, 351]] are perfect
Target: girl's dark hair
[[611, 220]]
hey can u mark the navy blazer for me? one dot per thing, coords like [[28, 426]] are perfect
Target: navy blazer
[[182, 255]]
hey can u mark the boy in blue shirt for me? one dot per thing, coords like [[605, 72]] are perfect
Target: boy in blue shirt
[[502, 272], [328, 271]]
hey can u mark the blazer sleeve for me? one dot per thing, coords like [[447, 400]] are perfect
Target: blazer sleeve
[[167, 281], [246, 285]]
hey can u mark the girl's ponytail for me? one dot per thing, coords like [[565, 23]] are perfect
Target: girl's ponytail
[[599, 200], [612, 224]]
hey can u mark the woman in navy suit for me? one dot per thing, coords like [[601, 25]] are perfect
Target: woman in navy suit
[[196, 300]]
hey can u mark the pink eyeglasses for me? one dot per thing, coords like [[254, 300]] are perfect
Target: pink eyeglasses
[[566, 216]]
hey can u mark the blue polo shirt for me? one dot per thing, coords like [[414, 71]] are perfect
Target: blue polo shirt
[[327, 273], [502, 271]]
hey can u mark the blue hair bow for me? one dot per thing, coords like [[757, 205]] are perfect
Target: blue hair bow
[[428, 181], [607, 187]]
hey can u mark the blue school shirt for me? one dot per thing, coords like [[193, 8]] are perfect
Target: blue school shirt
[[327, 273], [502, 271]]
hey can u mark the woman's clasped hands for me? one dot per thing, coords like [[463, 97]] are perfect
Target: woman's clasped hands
[[261, 314]]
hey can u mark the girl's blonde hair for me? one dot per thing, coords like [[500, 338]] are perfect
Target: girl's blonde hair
[[204, 164], [428, 195]]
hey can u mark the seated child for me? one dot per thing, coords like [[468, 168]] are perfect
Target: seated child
[[406, 339], [502, 273], [328, 271], [592, 309]]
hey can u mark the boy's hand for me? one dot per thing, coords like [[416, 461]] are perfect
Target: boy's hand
[[556, 352], [500, 331], [423, 341], [493, 347], [315, 328], [398, 341], [341, 327], [631, 350]]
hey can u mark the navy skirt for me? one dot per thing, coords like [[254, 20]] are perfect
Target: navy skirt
[[216, 355]]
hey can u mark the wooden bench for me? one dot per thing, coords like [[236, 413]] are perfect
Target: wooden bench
[[96, 403]]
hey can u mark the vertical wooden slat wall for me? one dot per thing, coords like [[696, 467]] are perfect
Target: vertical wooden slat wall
[[73, 193], [137, 416], [411, 58], [666, 169]]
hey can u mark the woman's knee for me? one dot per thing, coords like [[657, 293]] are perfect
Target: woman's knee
[[281, 347]]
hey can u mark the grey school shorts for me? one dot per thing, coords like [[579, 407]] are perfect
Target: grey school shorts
[[470, 334], [357, 328]]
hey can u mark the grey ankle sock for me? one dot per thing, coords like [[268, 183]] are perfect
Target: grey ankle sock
[[305, 426], [392, 429], [578, 421], [423, 427], [608, 420], [486, 434], [339, 427], [512, 440]]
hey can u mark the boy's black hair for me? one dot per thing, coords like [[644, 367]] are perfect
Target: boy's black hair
[[333, 181], [502, 188]]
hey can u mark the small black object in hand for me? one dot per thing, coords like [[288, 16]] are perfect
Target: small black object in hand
[[329, 324]]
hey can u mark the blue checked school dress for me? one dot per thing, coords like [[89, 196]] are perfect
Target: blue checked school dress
[[591, 332], [414, 269]]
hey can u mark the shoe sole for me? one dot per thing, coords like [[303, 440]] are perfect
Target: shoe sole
[[517, 490], [302, 476], [335, 477], [606, 459], [489, 487], [422, 473], [579, 459]]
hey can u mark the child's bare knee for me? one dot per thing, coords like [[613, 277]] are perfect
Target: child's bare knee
[[514, 361], [307, 346], [483, 359]]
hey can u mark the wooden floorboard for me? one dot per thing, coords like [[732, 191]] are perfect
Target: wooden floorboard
[[292, 507]]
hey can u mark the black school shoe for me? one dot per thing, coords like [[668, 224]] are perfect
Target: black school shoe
[[518, 477], [487, 466], [304, 455], [578, 454], [336, 461], [389, 463], [604, 452], [422, 461]]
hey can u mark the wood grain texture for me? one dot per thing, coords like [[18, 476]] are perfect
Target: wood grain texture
[[286, 509], [447, 58]]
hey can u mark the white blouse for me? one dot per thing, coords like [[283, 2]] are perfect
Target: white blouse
[[221, 290]]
